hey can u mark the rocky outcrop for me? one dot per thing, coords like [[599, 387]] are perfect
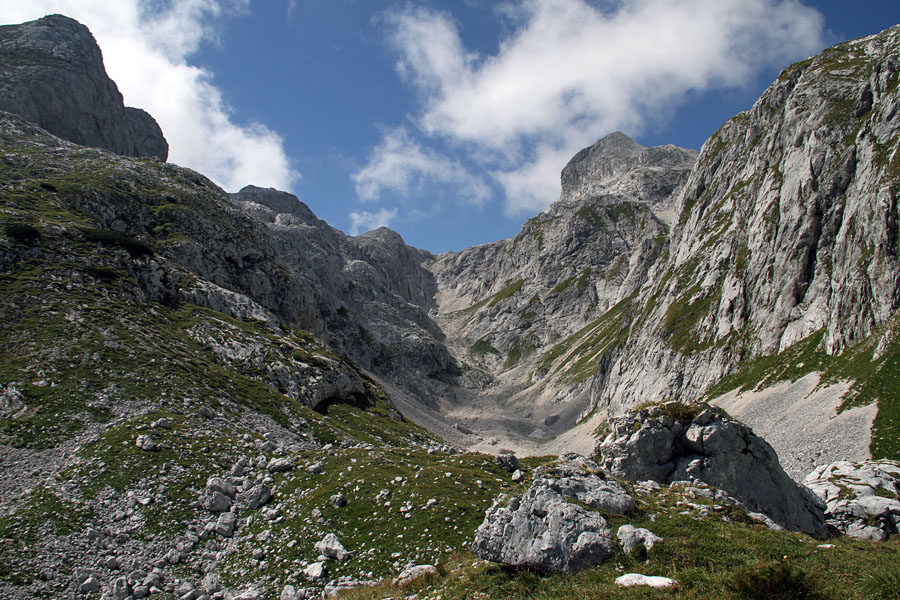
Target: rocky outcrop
[[542, 530], [677, 442], [862, 500], [52, 74]]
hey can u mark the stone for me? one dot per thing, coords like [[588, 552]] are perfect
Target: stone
[[720, 452], [507, 462], [90, 585], [258, 496], [861, 498], [225, 524], [543, 531], [654, 581], [337, 500], [315, 468], [315, 571], [330, 547], [145, 443], [120, 589], [217, 502], [289, 592], [53, 75], [249, 594], [411, 573], [631, 536], [280, 465], [518, 476]]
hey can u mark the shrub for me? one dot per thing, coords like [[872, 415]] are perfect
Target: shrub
[[772, 581], [21, 232], [107, 237]]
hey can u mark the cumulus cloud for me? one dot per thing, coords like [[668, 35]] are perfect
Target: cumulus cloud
[[572, 70], [146, 47], [401, 165], [363, 220]]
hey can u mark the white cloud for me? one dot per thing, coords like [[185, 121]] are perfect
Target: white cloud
[[146, 46], [363, 220], [571, 72], [402, 166]]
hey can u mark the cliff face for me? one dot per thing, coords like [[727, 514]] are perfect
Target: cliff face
[[515, 311], [787, 226], [51, 73]]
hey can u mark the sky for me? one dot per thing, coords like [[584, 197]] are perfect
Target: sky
[[448, 121]]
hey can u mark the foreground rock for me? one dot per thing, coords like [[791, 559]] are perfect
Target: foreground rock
[[543, 530], [861, 499], [654, 581], [51, 73], [679, 442]]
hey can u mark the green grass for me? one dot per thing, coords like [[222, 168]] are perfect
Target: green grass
[[511, 289], [723, 555], [481, 348]]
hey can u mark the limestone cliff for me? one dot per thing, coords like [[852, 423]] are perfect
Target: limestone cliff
[[786, 228], [52, 74]]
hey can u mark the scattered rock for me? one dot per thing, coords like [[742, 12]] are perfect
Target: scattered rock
[[507, 462], [280, 465], [315, 571], [330, 547], [315, 468], [411, 573], [654, 581], [145, 443], [630, 536], [338, 500], [677, 442], [518, 476], [257, 496], [225, 524], [861, 499]]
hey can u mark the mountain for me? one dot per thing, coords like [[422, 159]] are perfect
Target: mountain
[[512, 309], [51, 73], [212, 395]]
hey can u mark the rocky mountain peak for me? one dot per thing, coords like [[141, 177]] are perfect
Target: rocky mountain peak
[[276, 201], [617, 168], [52, 74]]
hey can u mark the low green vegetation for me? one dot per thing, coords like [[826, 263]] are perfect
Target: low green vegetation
[[876, 378], [722, 555], [482, 347]]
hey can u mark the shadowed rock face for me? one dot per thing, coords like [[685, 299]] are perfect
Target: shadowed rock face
[[52, 74]]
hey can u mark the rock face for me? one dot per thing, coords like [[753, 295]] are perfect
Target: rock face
[[51, 73], [542, 530], [677, 442], [862, 500], [786, 228], [528, 317], [370, 294]]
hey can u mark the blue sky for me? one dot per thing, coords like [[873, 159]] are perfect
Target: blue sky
[[447, 121]]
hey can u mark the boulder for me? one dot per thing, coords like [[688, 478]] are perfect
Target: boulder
[[542, 530], [257, 496], [330, 547], [411, 573], [677, 442], [315, 571], [630, 536], [280, 465], [225, 524], [861, 499], [507, 462]]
